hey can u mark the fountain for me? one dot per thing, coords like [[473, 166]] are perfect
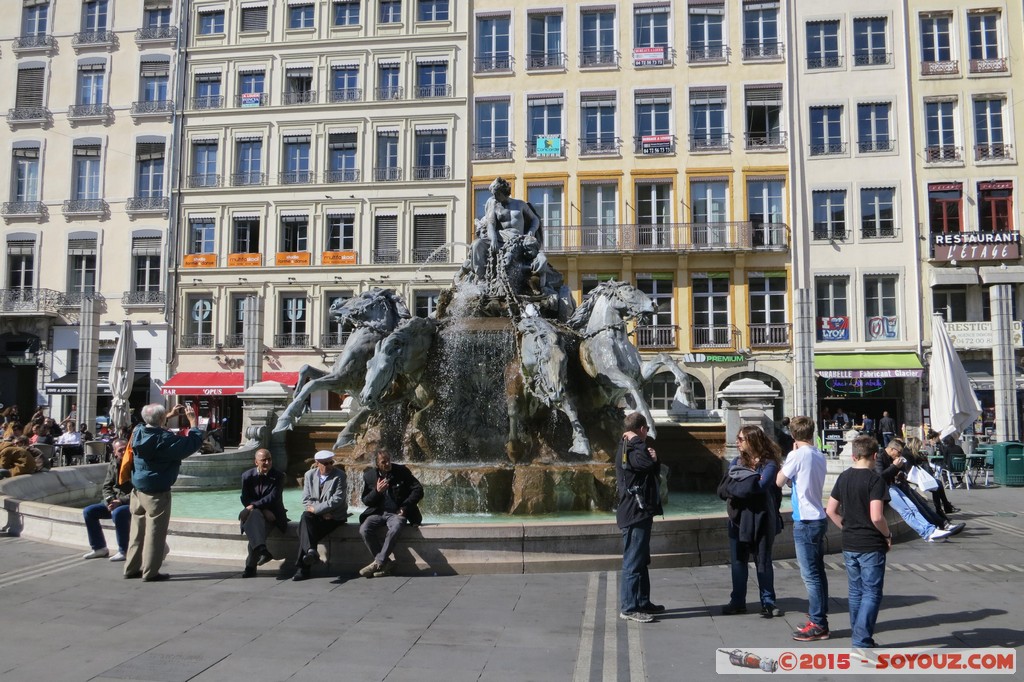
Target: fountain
[[509, 399]]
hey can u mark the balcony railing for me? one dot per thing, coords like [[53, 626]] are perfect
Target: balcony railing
[[144, 297], [545, 60], [346, 95], [28, 115], [248, 179], [710, 143], [334, 340], [252, 100], [826, 233], [937, 153], [946, 68], [299, 97], [994, 151], [161, 107], [390, 93], [877, 231], [386, 256], [433, 91], [85, 207], [197, 340], [997, 65], [147, 205], [773, 140], [667, 237], [153, 33], [343, 175], [437, 254], [234, 340], [208, 102], [300, 177], [832, 61], [874, 146], [761, 51], [828, 149], [602, 56], [656, 336], [769, 335], [663, 144], [492, 151], [30, 301], [27, 209], [872, 59], [387, 174], [714, 336], [431, 172], [707, 53], [73, 299], [39, 42], [203, 180], [84, 111], [531, 149], [497, 62], [601, 145], [92, 38]]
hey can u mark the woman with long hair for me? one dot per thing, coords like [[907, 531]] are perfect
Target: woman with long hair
[[919, 458], [754, 520]]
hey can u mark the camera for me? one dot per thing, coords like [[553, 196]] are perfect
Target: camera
[[638, 494]]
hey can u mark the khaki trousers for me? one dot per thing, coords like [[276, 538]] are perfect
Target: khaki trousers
[[151, 514]]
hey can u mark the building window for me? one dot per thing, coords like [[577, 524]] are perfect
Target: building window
[[432, 80], [935, 40], [660, 333], [600, 215], [25, 170], [294, 233], [250, 88], [385, 239], [389, 81], [346, 12], [831, 308], [873, 127], [945, 208], [86, 169], [951, 303], [764, 117], [708, 199], [823, 45], [199, 325], [988, 129], [345, 84], [544, 41], [202, 235], [21, 265], [544, 116], [149, 170], [341, 233], [761, 30], [882, 323], [764, 211], [597, 38], [826, 131], [711, 328], [204, 165], [298, 86], [211, 23], [432, 10], [34, 19], [82, 272], [650, 26], [153, 77], [156, 15], [707, 120], [147, 270], [293, 321], [654, 212], [429, 236], [300, 16], [253, 19], [877, 217], [492, 44], [995, 206], [768, 318], [296, 160], [870, 41], [547, 200], [30, 88], [94, 16], [390, 11], [829, 209], [492, 130], [341, 157], [983, 37], [597, 121], [432, 156], [91, 79], [707, 32], [426, 303], [940, 137], [653, 122], [246, 237], [236, 330], [387, 168], [248, 162], [207, 92]]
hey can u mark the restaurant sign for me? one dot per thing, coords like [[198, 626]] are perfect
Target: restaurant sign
[[976, 246], [981, 334], [870, 373]]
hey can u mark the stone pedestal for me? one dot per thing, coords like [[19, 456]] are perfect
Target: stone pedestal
[[747, 402], [261, 405]]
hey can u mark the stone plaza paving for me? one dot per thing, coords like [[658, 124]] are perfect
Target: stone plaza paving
[[62, 618]]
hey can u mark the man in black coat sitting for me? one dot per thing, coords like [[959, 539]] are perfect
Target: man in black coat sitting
[[263, 506], [390, 493]]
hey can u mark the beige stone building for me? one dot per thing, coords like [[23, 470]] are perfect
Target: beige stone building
[[89, 109], [653, 137]]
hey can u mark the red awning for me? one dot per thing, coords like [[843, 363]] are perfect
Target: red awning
[[218, 383]]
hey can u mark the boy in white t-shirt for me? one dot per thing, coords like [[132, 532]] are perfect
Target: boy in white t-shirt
[[804, 469]]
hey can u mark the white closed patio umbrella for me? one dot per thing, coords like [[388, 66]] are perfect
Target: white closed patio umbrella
[[951, 399], [122, 376]]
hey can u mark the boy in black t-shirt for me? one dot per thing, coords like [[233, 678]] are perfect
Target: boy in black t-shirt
[[862, 494]]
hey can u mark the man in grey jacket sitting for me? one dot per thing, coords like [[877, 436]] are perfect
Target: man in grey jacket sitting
[[325, 507]]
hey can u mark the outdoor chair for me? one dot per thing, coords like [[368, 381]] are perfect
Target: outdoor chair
[[94, 451], [46, 450], [957, 471]]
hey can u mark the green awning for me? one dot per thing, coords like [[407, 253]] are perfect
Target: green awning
[[867, 361]]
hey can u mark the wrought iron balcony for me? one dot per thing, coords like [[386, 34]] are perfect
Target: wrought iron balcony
[[157, 107], [531, 148], [601, 56], [835, 233], [431, 172], [545, 60], [25, 209], [252, 178], [85, 207], [196, 341], [707, 53], [299, 97], [143, 297], [203, 180], [346, 95], [252, 99], [828, 149], [877, 231], [30, 301], [874, 146], [92, 39], [496, 62], [949, 67], [78, 112], [714, 336], [600, 145], [147, 205], [438, 254], [291, 340], [996, 65], [28, 115], [492, 151], [773, 140], [872, 58], [654, 144], [994, 151], [938, 153], [334, 340], [73, 299], [156, 33], [667, 237], [711, 142], [342, 175], [769, 335], [29, 43], [234, 340], [392, 92], [761, 51], [831, 61], [433, 91], [299, 177], [387, 174], [769, 236], [208, 102], [656, 336], [387, 256]]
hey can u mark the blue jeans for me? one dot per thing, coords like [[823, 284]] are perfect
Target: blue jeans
[[910, 513], [122, 516], [739, 553], [809, 542], [866, 571], [635, 585]]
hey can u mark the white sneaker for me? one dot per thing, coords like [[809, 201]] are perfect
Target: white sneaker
[[938, 534], [118, 557], [96, 553]]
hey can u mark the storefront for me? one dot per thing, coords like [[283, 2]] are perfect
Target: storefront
[[869, 383]]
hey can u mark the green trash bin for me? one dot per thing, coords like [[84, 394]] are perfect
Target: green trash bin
[[1008, 463]]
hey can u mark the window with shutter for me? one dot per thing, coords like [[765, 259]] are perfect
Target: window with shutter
[[428, 238], [385, 239], [30, 87], [254, 19]]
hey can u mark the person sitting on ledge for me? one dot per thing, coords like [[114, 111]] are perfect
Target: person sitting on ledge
[[391, 494], [324, 490], [114, 506], [263, 502]]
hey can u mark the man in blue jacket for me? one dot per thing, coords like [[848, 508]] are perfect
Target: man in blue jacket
[[156, 459]]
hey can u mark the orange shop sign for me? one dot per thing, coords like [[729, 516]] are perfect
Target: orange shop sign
[[200, 260], [242, 260], [293, 258], [340, 258]]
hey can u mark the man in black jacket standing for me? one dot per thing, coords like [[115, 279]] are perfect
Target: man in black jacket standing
[[263, 504], [391, 494], [639, 501]]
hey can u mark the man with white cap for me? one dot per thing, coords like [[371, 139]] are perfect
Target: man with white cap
[[325, 507]]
